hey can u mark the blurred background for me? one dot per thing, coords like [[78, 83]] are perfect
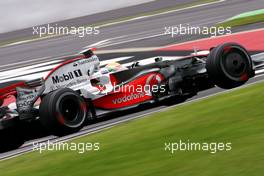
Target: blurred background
[[17, 14]]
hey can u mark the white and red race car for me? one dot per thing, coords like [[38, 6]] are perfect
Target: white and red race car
[[79, 89]]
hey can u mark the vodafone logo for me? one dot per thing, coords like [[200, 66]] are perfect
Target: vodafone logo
[[127, 98], [153, 79]]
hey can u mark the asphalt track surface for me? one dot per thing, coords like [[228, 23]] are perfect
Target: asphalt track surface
[[133, 34], [144, 32], [102, 17]]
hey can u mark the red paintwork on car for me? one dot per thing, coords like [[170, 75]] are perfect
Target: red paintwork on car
[[122, 98], [8, 93]]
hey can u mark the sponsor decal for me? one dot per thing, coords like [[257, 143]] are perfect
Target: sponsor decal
[[26, 98], [66, 77], [70, 84], [127, 98], [78, 81], [23, 104], [85, 61]]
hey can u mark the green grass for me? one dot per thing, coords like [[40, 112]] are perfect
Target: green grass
[[235, 22], [137, 147]]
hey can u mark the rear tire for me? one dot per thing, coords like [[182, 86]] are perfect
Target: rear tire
[[63, 112], [176, 100], [1, 102], [11, 139], [229, 65]]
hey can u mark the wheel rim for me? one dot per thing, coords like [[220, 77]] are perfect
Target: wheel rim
[[235, 64], [70, 111]]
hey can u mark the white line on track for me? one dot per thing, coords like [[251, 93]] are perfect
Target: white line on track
[[31, 69], [40, 70], [161, 13], [158, 33], [124, 21], [23, 62]]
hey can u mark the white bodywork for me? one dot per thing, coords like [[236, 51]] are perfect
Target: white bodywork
[[77, 75]]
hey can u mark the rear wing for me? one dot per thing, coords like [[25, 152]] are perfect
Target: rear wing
[[11, 88]]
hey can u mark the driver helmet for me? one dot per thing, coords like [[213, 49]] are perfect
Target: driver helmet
[[114, 66]]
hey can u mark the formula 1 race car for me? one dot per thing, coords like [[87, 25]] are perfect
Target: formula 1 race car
[[79, 90]]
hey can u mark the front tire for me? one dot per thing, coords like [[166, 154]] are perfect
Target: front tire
[[63, 112]]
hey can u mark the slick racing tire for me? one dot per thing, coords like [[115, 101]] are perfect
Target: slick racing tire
[[229, 65], [10, 139], [1, 102], [62, 112]]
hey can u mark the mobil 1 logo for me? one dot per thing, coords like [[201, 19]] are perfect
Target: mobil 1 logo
[[66, 76]]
